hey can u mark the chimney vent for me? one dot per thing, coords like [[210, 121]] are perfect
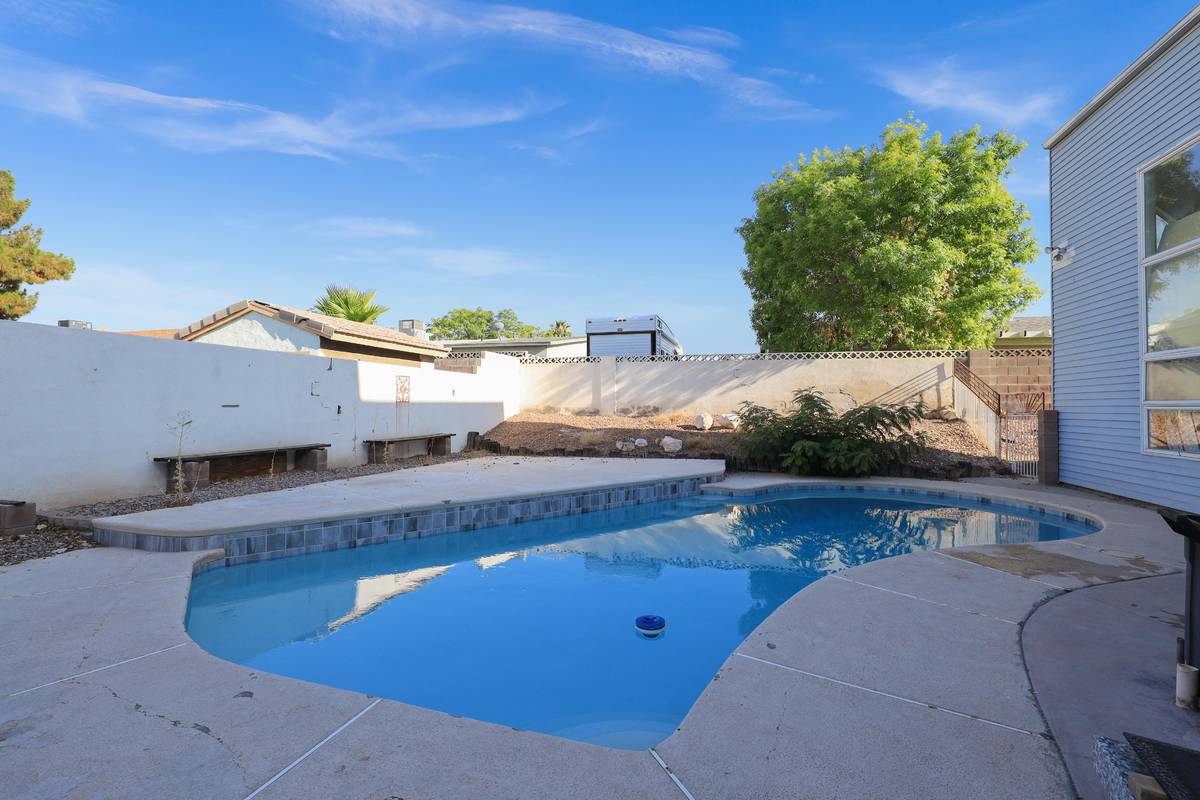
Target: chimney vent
[[414, 327]]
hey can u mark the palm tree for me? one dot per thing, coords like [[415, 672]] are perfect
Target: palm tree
[[346, 302], [559, 330]]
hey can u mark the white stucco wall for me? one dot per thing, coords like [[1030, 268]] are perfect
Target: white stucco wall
[[85, 412], [263, 333], [666, 387]]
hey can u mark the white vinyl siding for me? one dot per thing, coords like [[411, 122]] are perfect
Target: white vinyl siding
[[1100, 338]]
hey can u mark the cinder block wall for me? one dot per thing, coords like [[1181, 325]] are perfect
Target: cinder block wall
[[1016, 371]]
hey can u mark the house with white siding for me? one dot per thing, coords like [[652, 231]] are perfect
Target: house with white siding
[[1125, 253]]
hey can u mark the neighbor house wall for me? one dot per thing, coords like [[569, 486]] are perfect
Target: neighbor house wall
[[1097, 341], [262, 333], [626, 386], [85, 412]]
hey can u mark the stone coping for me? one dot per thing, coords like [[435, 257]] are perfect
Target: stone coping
[[903, 677], [479, 480]]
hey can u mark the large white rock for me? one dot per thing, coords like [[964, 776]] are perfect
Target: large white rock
[[727, 422], [704, 422], [672, 445], [640, 443]]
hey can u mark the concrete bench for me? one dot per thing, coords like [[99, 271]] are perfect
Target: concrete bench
[[17, 516], [197, 467], [398, 448]]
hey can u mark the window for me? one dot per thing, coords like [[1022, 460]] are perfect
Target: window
[[1171, 193], [1170, 279]]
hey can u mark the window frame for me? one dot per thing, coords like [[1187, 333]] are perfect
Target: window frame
[[1145, 262]]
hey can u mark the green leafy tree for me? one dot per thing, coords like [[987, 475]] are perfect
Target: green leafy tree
[[911, 244], [346, 302], [479, 323], [559, 330], [22, 261]]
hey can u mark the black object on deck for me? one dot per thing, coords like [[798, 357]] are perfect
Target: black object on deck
[[1176, 768], [1188, 526]]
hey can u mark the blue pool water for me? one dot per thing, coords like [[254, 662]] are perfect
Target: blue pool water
[[532, 625]]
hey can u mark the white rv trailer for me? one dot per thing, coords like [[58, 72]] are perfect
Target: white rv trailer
[[631, 336]]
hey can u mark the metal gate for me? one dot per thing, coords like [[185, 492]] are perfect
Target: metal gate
[[1019, 443]]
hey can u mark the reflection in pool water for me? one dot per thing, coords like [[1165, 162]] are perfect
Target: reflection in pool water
[[531, 625]]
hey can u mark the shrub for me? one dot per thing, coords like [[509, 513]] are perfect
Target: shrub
[[591, 438], [810, 438]]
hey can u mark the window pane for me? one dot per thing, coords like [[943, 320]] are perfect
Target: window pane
[[1173, 303], [1172, 196], [1177, 379], [1175, 429]]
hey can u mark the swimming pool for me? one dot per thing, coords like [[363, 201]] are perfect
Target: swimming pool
[[532, 625]]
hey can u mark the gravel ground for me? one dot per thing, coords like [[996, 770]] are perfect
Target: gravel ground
[[950, 443], [45, 540], [566, 433], [251, 485]]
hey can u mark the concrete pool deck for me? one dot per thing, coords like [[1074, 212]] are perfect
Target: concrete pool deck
[[971, 672]]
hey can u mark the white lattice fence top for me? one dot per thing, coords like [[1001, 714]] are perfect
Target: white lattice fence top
[[845, 356], [563, 360], [1021, 352]]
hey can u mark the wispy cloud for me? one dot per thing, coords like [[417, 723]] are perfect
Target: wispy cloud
[[345, 227], [562, 146], [60, 16], [206, 124], [475, 262], [946, 85], [389, 19], [704, 36], [544, 152]]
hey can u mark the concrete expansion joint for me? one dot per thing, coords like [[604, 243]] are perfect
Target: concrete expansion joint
[[900, 698], [924, 599], [1002, 572], [674, 778], [313, 749], [97, 669]]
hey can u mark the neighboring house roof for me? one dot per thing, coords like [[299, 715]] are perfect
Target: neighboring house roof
[[1026, 328], [1156, 50], [333, 328], [540, 341], [153, 333]]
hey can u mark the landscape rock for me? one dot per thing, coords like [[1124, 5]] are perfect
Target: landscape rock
[[727, 422], [625, 446], [671, 445], [640, 443], [704, 422], [942, 413]]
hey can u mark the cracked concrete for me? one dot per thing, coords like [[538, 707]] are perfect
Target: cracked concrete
[[901, 678]]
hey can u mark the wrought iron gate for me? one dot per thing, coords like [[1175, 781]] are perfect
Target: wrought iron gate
[[1019, 433]]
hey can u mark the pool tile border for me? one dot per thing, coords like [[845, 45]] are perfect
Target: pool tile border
[[1035, 509], [261, 544]]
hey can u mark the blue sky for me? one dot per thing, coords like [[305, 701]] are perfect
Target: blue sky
[[564, 159]]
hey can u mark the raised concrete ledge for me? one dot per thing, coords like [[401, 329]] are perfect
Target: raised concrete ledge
[[900, 678], [375, 509]]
